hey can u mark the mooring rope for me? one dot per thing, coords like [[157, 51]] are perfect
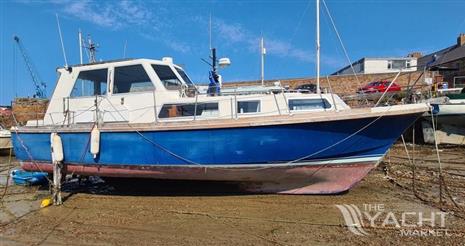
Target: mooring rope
[[441, 179], [439, 158], [7, 174]]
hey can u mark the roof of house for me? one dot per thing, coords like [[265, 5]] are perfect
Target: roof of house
[[348, 66], [449, 54], [390, 58]]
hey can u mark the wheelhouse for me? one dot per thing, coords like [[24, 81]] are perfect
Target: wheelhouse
[[151, 91]]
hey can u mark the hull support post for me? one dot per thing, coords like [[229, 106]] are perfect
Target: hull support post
[[57, 177], [59, 169]]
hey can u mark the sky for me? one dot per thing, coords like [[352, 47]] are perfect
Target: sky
[[180, 29]]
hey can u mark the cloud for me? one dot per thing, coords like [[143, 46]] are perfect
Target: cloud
[[132, 12], [285, 49], [234, 33], [125, 15], [178, 46], [108, 14], [150, 21]]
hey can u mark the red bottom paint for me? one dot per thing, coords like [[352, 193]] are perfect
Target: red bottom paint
[[307, 179]]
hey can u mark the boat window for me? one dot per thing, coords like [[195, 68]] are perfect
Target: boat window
[[183, 110], [90, 83], [167, 77], [131, 79], [184, 77], [308, 104], [248, 107]]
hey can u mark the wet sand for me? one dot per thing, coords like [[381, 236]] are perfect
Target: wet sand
[[199, 213]]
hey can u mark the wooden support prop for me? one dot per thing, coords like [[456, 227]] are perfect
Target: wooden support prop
[[57, 176]]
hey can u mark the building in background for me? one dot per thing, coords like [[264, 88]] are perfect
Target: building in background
[[371, 65], [449, 64]]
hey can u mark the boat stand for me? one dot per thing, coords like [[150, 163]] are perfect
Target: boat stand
[[57, 177]]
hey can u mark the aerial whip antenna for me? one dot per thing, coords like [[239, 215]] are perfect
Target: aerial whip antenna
[[124, 49], [61, 40], [80, 46], [262, 54], [210, 31]]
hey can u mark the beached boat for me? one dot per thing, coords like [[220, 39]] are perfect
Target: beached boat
[[449, 119], [151, 126], [5, 139], [145, 118]]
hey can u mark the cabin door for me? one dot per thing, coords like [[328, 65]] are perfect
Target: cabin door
[[113, 108], [89, 90]]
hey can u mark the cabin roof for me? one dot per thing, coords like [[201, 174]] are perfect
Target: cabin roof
[[102, 62], [134, 60]]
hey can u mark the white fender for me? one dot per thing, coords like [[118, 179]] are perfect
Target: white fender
[[95, 141], [57, 147]]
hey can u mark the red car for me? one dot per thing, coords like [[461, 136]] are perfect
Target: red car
[[379, 86]]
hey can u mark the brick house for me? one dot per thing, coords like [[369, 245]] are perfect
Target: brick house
[[449, 64]]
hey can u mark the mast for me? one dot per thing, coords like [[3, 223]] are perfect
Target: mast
[[80, 46], [318, 47], [210, 32], [262, 53], [124, 48]]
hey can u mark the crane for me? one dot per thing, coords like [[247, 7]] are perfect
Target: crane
[[39, 84]]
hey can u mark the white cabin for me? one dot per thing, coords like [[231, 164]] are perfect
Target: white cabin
[[151, 91]]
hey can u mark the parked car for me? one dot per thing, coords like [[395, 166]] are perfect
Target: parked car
[[309, 88], [379, 86]]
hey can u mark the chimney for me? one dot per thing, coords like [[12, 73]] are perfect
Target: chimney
[[415, 54], [461, 40]]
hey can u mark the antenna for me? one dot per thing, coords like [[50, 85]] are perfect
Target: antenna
[[262, 53], [92, 47], [80, 45], [210, 31], [318, 47], [124, 49], [61, 40]]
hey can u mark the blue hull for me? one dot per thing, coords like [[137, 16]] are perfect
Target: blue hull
[[273, 144]]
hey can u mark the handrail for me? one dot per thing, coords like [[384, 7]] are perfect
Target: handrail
[[285, 102], [332, 94], [231, 103], [277, 104], [195, 106], [155, 107], [235, 106]]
